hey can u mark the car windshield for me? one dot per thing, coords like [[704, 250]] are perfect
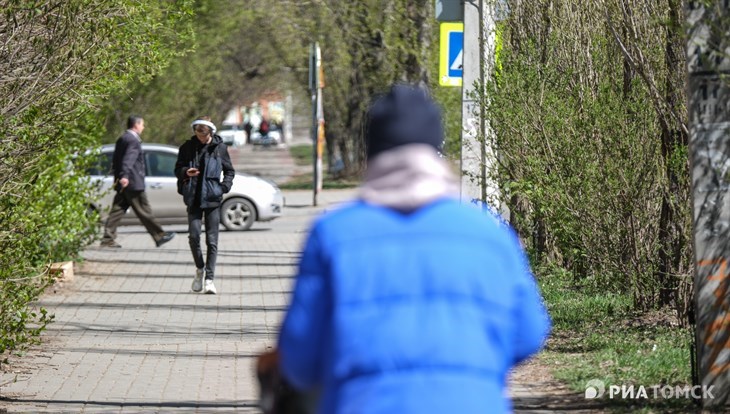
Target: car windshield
[[103, 165]]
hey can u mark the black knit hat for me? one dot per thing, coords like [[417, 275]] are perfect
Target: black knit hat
[[405, 115]]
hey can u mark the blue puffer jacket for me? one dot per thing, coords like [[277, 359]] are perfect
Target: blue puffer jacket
[[421, 312]]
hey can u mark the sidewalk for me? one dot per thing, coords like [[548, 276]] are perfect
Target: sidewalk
[[130, 337]]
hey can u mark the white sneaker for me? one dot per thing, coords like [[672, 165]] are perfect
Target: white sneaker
[[209, 287], [198, 280]]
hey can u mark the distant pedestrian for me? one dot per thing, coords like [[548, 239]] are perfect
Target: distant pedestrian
[[129, 173], [407, 301], [264, 127], [201, 162], [247, 127]]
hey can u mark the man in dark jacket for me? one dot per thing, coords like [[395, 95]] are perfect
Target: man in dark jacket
[[201, 162], [129, 171]]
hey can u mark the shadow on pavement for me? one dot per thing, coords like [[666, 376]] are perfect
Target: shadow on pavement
[[245, 252], [173, 353], [180, 307], [165, 331], [256, 293], [170, 404], [172, 262], [186, 275]]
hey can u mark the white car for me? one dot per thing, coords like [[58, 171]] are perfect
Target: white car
[[272, 138], [231, 135], [251, 198]]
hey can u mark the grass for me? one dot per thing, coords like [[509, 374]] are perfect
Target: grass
[[596, 335], [302, 155], [305, 182]]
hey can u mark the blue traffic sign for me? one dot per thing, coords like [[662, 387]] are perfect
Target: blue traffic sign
[[451, 54], [456, 54]]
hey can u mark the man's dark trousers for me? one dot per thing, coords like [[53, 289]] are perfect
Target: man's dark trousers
[[141, 206], [212, 222]]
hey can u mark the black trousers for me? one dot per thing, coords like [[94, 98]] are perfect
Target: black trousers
[[141, 206], [212, 222]]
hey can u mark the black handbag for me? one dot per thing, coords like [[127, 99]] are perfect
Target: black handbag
[[276, 395]]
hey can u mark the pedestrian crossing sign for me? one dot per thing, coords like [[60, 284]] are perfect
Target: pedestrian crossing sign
[[451, 54]]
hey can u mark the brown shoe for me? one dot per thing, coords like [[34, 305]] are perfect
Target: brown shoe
[[110, 243], [165, 238]]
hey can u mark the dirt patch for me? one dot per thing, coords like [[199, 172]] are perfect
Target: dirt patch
[[656, 318], [534, 389]]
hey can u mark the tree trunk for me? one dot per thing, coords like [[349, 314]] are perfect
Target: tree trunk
[[673, 138]]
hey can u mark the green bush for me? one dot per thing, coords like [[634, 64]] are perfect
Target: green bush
[[582, 169], [69, 55], [592, 165], [44, 220]]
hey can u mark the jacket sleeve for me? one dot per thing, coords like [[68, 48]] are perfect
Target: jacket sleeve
[[303, 333], [182, 164], [131, 153], [228, 171], [530, 316]]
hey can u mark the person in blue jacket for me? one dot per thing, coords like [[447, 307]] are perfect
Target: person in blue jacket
[[406, 300]]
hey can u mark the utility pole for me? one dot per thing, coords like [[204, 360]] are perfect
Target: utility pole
[[708, 67], [476, 154], [316, 83], [470, 65], [288, 117]]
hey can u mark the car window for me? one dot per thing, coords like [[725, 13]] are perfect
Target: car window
[[103, 165], [160, 164]]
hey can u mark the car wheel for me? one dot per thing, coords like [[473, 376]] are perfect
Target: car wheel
[[92, 211], [237, 214]]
